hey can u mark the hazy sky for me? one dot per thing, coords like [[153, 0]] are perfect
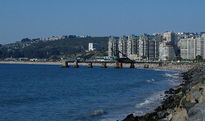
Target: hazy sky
[[44, 18]]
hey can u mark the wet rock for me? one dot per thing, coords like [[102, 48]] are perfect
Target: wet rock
[[188, 105], [179, 115], [197, 112], [162, 114], [129, 118]]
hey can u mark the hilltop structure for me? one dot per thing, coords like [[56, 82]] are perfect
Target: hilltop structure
[[92, 46]]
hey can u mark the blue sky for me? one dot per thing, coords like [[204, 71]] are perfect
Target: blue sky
[[43, 18]]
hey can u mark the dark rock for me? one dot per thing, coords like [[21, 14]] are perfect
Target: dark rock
[[129, 118], [162, 114], [188, 105]]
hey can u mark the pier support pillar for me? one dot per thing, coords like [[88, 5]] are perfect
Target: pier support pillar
[[75, 65], [160, 64], [118, 64], [65, 64], [146, 66], [121, 65], [90, 65], [103, 65], [132, 65]]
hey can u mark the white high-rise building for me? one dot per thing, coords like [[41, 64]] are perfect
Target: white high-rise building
[[113, 47], [191, 47], [169, 37], [132, 47], [143, 46], [153, 49], [149, 46], [122, 46]]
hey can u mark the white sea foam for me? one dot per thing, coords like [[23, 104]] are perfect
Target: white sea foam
[[97, 112], [175, 75], [149, 103], [159, 70], [152, 80], [91, 114], [174, 78], [152, 99]]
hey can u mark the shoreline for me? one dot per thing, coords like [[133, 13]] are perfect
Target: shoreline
[[185, 102], [170, 67], [29, 62]]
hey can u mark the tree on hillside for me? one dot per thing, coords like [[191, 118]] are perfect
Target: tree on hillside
[[25, 40]]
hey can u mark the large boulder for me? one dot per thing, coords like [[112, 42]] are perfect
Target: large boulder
[[197, 112], [179, 115]]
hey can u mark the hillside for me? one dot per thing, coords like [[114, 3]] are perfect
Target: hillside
[[54, 49]]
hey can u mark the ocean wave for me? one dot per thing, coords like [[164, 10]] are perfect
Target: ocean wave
[[150, 81], [149, 103], [175, 75], [159, 70], [91, 114], [152, 99], [96, 113], [174, 78]]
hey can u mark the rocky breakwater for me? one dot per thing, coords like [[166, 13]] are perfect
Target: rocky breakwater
[[185, 102]]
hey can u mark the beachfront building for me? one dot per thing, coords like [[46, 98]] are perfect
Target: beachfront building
[[143, 46], [153, 49], [149, 46], [191, 47], [113, 47], [122, 46], [132, 46], [166, 52]]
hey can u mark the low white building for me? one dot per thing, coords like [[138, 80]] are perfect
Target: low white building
[[92, 46]]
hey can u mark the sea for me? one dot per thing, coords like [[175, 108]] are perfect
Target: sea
[[50, 93]]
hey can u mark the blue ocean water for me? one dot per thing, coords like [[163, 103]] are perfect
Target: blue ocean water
[[51, 93]]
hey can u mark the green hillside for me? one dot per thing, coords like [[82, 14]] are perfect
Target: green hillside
[[54, 49]]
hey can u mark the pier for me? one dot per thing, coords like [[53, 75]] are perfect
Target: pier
[[118, 63], [106, 64]]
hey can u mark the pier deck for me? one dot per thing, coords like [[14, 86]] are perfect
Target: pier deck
[[116, 64]]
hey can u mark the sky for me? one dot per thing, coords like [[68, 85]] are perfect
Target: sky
[[43, 18]]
